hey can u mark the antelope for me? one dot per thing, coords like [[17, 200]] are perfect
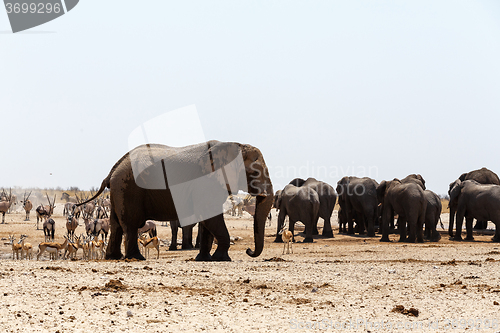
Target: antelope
[[101, 226], [26, 248], [27, 205], [51, 247], [89, 207], [100, 212], [85, 245], [71, 224], [287, 237], [71, 248], [149, 244], [16, 247], [149, 227], [45, 211], [49, 229], [70, 205], [97, 249], [89, 226], [5, 204], [106, 203]]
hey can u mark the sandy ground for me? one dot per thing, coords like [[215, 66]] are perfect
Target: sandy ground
[[348, 283]]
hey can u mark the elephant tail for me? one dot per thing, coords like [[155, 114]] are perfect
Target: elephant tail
[[106, 182], [441, 222]]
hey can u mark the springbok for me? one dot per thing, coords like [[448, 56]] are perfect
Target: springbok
[[150, 243], [287, 237], [85, 245], [51, 247], [27, 205], [45, 211], [71, 224], [149, 227], [71, 248], [16, 248], [27, 249], [5, 205], [49, 229], [97, 248]]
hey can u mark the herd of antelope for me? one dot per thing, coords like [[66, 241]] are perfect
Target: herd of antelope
[[96, 220]]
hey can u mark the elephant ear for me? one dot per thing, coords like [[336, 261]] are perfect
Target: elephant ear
[[456, 190], [381, 190]]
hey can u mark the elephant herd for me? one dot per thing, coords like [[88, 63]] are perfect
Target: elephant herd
[[370, 205], [190, 184]]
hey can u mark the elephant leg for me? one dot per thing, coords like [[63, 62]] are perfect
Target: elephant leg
[[187, 237], [419, 228], [459, 222], [174, 227], [218, 229], [402, 229], [468, 227], [198, 239], [452, 221], [291, 227], [496, 238], [113, 251], [370, 224], [480, 225], [206, 240], [387, 214], [131, 245], [327, 226]]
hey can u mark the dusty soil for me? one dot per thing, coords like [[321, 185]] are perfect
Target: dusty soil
[[322, 285]]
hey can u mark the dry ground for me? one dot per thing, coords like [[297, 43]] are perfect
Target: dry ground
[[332, 280]]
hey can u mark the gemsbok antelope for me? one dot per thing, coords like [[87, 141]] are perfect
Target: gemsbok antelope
[[49, 229], [27, 205], [101, 226], [52, 247], [149, 227], [43, 211], [5, 205], [71, 225]]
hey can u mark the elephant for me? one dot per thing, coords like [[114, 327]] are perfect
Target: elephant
[[433, 208], [482, 176], [358, 201], [408, 201], [327, 198], [476, 200], [300, 204], [187, 236], [189, 184], [432, 215]]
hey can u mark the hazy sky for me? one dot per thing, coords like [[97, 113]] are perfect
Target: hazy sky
[[323, 88]]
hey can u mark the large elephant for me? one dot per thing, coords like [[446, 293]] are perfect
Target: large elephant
[[300, 204], [187, 236], [482, 176], [358, 201], [327, 200], [475, 200], [189, 184], [433, 208], [408, 201]]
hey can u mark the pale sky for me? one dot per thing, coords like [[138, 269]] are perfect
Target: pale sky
[[322, 88]]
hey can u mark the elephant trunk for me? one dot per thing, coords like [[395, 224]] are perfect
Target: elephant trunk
[[262, 208]]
